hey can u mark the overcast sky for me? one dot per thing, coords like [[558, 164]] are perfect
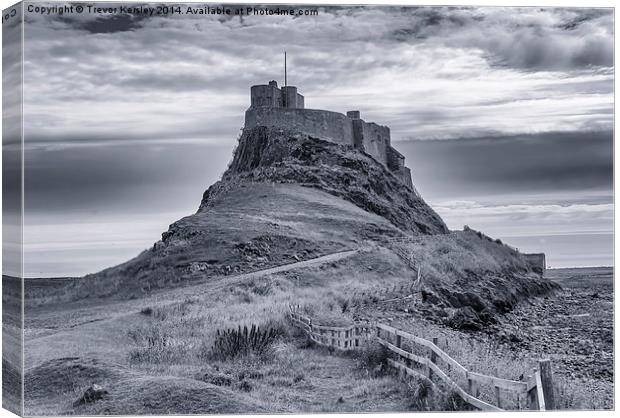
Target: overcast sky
[[505, 117]]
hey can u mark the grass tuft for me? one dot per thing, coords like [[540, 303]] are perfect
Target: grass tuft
[[233, 343], [373, 359]]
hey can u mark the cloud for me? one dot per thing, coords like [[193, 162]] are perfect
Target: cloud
[[571, 163], [121, 22], [528, 219], [521, 38], [131, 115], [425, 72]]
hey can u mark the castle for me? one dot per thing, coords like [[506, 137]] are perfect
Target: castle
[[284, 107]]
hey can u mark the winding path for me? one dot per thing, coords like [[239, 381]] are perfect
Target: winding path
[[43, 322]]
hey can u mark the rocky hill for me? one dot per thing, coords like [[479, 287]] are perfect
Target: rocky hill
[[277, 155], [287, 197]]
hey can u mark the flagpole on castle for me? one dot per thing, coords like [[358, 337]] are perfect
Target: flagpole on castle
[[285, 81]]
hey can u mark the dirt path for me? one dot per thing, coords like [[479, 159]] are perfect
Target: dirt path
[[57, 329], [231, 280]]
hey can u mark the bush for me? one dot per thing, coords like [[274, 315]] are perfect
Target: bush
[[233, 343], [420, 391], [155, 346], [373, 358], [147, 311], [344, 304], [425, 396]]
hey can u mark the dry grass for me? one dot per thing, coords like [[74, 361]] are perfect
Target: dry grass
[[482, 355], [176, 339], [449, 257], [189, 327], [169, 341], [184, 332]]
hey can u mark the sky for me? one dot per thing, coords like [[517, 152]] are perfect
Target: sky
[[505, 116]]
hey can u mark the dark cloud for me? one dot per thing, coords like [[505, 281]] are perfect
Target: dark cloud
[[585, 15], [125, 179], [522, 38], [106, 24], [523, 164]]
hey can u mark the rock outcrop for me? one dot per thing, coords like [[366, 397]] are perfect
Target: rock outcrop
[[277, 155]]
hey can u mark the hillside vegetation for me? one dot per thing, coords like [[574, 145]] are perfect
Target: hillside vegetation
[[294, 220]]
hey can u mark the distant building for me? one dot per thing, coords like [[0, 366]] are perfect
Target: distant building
[[537, 262], [284, 107]]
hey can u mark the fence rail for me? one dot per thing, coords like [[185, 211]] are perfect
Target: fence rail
[[344, 338], [536, 391], [388, 294]]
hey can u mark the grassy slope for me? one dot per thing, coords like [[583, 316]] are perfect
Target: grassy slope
[[11, 344], [187, 283], [469, 276], [168, 348], [111, 330], [250, 227]]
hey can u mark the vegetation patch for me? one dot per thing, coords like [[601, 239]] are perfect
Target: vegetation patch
[[233, 343]]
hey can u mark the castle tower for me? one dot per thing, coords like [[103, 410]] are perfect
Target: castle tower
[[269, 95]]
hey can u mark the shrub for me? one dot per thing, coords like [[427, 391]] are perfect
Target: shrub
[[232, 343], [420, 391], [425, 396], [344, 304], [373, 358], [147, 311], [155, 345], [261, 287]]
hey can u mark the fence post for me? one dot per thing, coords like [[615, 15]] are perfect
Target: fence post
[[532, 401], [546, 378], [433, 358], [472, 386], [401, 372], [498, 397]]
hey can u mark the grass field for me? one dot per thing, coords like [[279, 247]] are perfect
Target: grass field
[[151, 347], [162, 344]]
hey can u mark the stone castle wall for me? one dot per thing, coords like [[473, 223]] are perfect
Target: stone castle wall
[[377, 141], [331, 126], [269, 95], [284, 107], [265, 95], [371, 138]]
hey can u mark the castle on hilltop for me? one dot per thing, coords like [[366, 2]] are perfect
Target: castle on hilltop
[[284, 107]]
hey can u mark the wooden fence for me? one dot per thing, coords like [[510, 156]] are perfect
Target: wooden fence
[[397, 246], [417, 356], [342, 338], [387, 294]]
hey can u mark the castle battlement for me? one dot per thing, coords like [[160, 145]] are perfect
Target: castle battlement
[[269, 95], [284, 108]]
